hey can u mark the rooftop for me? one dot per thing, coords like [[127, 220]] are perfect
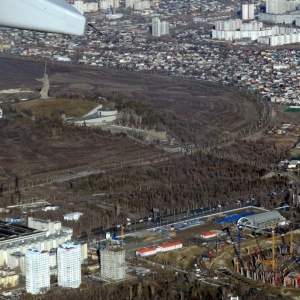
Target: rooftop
[[13, 230]]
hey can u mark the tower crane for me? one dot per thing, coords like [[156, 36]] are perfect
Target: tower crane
[[122, 236], [237, 251]]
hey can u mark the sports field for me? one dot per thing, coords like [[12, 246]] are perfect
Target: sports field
[[291, 109]]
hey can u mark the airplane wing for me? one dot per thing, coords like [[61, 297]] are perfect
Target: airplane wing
[[56, 16]]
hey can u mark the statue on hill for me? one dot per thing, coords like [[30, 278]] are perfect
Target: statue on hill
[[44, 93]]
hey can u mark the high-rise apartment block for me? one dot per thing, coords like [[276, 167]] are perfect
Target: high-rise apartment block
[[37, 268], [69, 265], [248, 11], [275, 6], [112, 263], [156, 26], [164, 28], [159, 28]]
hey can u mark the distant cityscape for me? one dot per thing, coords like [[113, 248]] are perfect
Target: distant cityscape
[[234, 44]]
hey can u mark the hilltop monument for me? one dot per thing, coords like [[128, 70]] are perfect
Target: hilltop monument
[[44, 93]]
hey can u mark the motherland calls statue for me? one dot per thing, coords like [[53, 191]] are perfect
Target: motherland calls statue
[[44, 93]]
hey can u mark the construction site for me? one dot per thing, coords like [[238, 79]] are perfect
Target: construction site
[[248, 245]]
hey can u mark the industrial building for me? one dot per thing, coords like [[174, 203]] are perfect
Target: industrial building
[[261, 221], [69, 265], [37, 271], [112, 263]]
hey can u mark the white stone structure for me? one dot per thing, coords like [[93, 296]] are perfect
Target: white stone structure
[[69, 265], [37, 271], [97, 116]]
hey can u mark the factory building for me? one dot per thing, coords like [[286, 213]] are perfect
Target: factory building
[[37, 271], [261, 221], [112, 263], [248, 11], [69, 265]]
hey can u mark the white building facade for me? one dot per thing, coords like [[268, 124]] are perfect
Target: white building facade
[[79, 6], [156, 26], [69, 265], [112, 264], [37, 267], [107, 4], [248, 11], [165, 28]]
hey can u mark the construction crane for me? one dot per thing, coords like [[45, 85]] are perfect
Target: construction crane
[[273, 248], [237, 251], [292, 263], [122, 236], [291, 243]]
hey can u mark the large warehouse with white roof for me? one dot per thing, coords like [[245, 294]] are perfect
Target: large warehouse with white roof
[[261, 221]]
